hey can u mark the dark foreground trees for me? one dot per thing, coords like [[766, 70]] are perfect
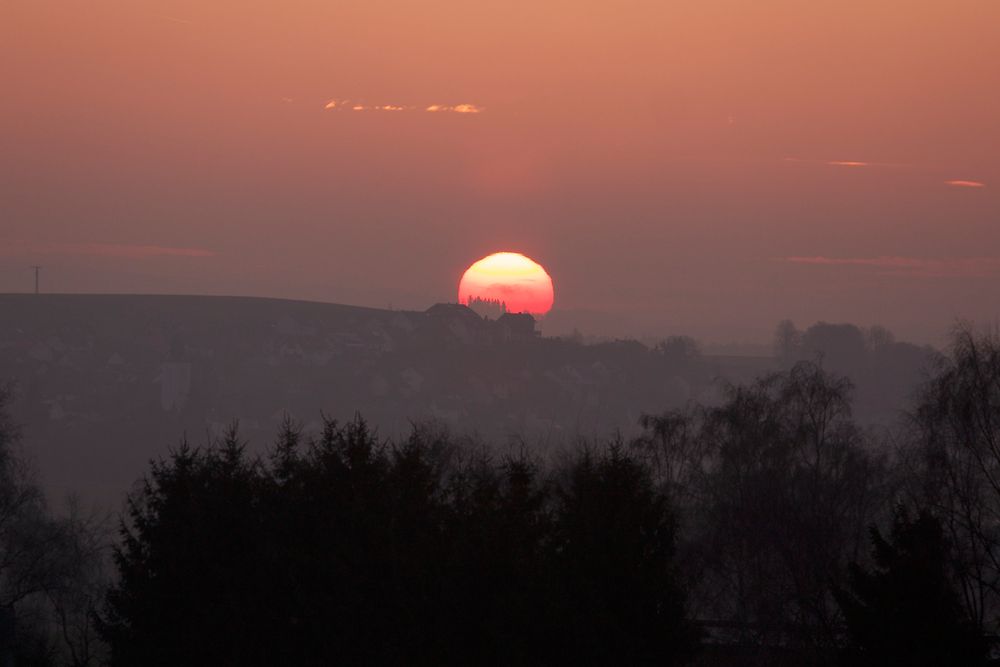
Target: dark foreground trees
[[51, 568], [344, 548], [906, 609], [957, 465], [776, 486], [348, 550]]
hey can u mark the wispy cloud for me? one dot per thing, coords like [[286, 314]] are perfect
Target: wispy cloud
[[458, 108], [848, 163], [912, 266], [349, 105], [15, 249], [857, 164]]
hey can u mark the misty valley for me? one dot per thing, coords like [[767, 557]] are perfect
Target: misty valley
[[502, 332], [220, 480]]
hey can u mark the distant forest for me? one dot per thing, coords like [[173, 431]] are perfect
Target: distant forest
[[768, 526]]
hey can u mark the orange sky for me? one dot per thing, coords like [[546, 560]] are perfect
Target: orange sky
[[703, 167]]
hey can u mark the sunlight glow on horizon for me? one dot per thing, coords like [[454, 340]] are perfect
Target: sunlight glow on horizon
[[518, 281]]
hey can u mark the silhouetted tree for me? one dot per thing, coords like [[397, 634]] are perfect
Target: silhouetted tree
[[50, 568], [616, 596], [958, 432], [77, 591], [487, 308], [499, 529], [678, 349], [677, 451], [877, 337], [348, 548], [776, 488], [680, 357], [188, 576], [905, 610], [787, 342], [839, 347]]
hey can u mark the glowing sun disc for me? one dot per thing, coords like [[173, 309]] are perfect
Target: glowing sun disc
[[520, 283]]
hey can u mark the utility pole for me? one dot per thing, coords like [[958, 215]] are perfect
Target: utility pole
[[37, 269]]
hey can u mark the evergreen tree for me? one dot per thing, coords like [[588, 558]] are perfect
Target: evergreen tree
[[616, 598], [350, 549], [905, 610]]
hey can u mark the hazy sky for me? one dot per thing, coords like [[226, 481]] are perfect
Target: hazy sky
[[687, 167]]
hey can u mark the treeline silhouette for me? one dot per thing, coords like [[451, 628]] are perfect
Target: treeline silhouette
[[488, 308], [352, 550], [768, 528], [884, 371]]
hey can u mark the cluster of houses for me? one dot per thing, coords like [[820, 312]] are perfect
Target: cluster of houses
[[463, 323]]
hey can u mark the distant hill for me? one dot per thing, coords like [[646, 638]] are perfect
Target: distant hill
[[105, 382]]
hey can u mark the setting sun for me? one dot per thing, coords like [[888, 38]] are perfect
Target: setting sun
[[518, 282]]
